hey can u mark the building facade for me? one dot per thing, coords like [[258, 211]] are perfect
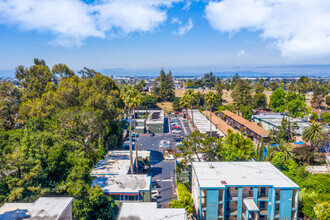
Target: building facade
[[253, 131], [243, 190]]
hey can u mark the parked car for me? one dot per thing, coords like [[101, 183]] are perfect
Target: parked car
[[126, 144], [165, 146], [178, 144], [165, 142], [152, 134], [135, 134], [176, 127], [180, 137], [174, 120], [175, 131], [169, 157], [133, 139]]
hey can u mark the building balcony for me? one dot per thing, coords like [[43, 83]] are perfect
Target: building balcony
[[262, 196], [263, 212], [233, 196], [277, 198], [233, 211]]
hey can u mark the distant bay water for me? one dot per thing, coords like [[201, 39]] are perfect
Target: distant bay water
[[322, 71]]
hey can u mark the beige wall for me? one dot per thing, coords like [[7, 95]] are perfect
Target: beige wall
[[195, 190]]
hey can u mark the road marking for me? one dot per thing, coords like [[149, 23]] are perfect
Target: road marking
[[184, 128], [167, 180]]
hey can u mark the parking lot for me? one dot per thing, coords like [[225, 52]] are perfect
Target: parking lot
[[162, 170]]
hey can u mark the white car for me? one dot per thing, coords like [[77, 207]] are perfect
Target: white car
[[165, 146], [165, 142], [175, 131], [178, 144], [169, 157]]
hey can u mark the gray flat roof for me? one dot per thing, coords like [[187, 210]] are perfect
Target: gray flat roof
[[155, 117], [276, 119], [50, 208], [116, 162], [203, 123], [222, 174], [149, 211], [121, 184]]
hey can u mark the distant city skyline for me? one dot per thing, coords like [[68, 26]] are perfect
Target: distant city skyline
[[188, 37]]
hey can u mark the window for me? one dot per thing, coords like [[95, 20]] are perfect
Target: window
[[236, 188], [129, 198], [262, 205]]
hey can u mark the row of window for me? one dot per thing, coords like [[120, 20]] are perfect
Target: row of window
[[129, 198]]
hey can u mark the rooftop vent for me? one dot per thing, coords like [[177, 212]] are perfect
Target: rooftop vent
[[211, 166], [223, 182]]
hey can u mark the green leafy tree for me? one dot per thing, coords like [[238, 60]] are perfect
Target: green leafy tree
[[165, 90], [235, 147], [61, 70], [315, 134], [218, 95], [286, 131], [285, 148], [327, 100], [185, 199], [242, 94], [326, 117], [34, 79], [149, 101], [260, 100], [9, 104], [209, 80], [274, 85], [140, 85], [277, 100]]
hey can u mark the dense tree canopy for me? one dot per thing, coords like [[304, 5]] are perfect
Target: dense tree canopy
[[54, 129], [163, 87]]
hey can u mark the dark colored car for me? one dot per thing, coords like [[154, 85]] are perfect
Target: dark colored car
[[135, 135], [152, 134]]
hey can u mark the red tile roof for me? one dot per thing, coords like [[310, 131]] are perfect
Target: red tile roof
[[248, 124]]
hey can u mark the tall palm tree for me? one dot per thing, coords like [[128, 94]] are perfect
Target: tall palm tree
[[210, 98], [135, 103], [131, 97], [314, 134], [191, 99], [285, 148], [184, 103]]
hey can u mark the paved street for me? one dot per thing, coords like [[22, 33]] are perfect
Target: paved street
[[162, 170]]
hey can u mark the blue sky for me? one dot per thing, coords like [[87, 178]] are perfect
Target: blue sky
[[142, 36]]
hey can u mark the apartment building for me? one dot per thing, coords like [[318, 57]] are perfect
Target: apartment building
[[115, 179], [150, 211], [243, 190], [49, 208], [253, 131]]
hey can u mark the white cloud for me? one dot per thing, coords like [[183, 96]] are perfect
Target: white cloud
[[299, 28], [74, 20], [241, 53], [186, 28], [175, 21]]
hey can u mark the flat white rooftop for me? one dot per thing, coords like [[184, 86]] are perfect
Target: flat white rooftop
[[222, 174], [149, 211], [275, 119], [116, 163], [121, 184], [203, 123], [50, 208]]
